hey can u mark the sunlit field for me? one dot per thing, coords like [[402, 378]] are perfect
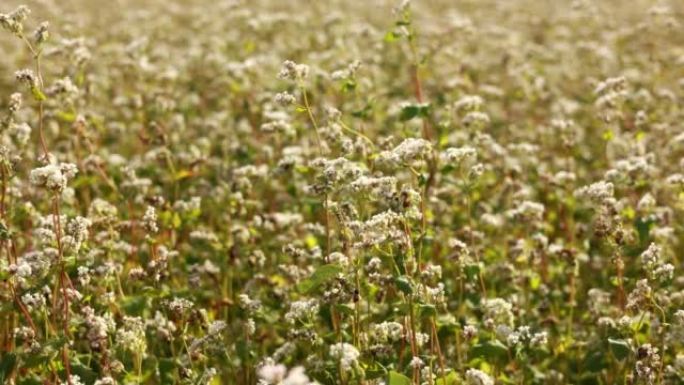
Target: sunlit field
[[341, 192]]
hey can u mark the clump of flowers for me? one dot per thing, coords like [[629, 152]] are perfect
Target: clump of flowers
[[53, 177]]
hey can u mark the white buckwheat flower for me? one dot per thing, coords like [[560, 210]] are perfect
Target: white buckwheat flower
[[53, 177], [284, 98], [478, 377], [346, 354], [409, 150], [469, 103], [599, 192], [293, 71], [277, 374], [456, 155], [149, 220], [14, 21]]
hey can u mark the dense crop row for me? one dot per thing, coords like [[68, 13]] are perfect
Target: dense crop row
[[341, 192]]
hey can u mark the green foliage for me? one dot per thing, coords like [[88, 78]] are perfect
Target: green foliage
[[8, 363], [620, 348], [319, 277], [396, 378], [411, 111]]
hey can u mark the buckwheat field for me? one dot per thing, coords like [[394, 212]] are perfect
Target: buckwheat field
[[436, 192]]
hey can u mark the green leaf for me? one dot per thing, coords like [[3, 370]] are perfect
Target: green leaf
[[595, 361], [167, 367], [319, 277], [348, 86], [427, 311], [411, 111], [363, 113], [535, 281], [134, 305], [38, 94], [7, 364], [244, 352], [176, 221], [399, 260], [396, 378], [643, 227], [56, 343], [182, 174], [472, 270], [490, 350], [29, 381], [404, 284], [345, 309], [65, 116], [372, 374], [4, 232], [408, 112], [422, 180], [85, 373], [620, 348], [447, 169], [33, 360], [391, 36], [375, 372], [449, 379]]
